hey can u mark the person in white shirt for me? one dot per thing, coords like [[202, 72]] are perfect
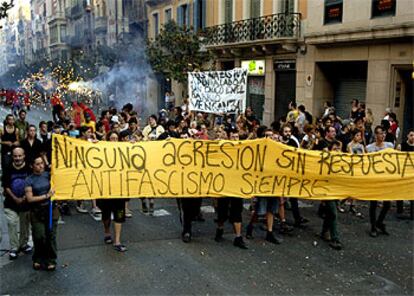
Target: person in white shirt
[[378, 224]]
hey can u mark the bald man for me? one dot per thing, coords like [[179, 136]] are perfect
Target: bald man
[[16, 208]]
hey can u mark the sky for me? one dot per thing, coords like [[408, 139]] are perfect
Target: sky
[[20, 3]]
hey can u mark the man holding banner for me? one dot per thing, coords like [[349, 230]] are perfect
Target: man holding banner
[[378, 224]]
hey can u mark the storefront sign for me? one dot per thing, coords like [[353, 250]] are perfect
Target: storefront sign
[[286, 65], [254, 67]]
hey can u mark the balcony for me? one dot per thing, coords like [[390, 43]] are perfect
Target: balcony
[[76, 41], [101, 25], [76, 11], [57, 16], [266, 28]]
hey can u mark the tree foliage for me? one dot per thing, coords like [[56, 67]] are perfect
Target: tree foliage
[[4, 7], [175, 51]]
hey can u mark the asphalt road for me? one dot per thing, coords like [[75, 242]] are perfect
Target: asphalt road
[[158, 262]]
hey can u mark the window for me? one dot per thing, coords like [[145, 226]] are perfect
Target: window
[[156, 27], [228, 11], [185, 14], [383, 8], [54, 35], [333, 11], [182, 15], [62, 33], [287, 6], [255, 8], [168, 15], [199, 17]]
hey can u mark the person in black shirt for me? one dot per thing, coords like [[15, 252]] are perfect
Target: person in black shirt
[[46, 139], [286, 138], [345, 136], [407, 146], [9, 138], [328, 141], [38, 193], [170, 131], [389, 137], [31, 145], [15, 205]]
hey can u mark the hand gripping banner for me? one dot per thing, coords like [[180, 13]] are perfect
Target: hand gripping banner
[[192, 168]]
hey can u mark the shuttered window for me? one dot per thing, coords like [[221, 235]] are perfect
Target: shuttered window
[[199, 14], [228, 11], [255, 8]]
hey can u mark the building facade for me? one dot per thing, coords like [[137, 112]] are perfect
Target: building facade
[[359, 50], [307, 51], [263, 36], [40, 30]]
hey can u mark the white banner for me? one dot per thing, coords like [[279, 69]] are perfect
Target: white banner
[[218, 91]]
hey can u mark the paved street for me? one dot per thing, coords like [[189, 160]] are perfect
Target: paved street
[[158, 262]]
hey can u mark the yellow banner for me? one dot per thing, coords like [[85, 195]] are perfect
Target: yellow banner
[[191, 168]]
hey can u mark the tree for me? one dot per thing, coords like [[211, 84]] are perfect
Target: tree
[[4, 7], [175, 51]]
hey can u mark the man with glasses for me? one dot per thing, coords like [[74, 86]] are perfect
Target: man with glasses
[[378, 224]]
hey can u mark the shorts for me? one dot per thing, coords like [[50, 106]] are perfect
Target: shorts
[[267, 205], [115, 206], [229, 208]]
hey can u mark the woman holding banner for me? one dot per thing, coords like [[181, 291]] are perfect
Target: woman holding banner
[[44, 216], [115, 207]]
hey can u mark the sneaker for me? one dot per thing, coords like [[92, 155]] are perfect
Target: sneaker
[[336, 245], [381, 227], [26, 249], [81, 208], [51, 267], [284, 228], [108, 240], [120, 248], [61, 221], [238, 242], [219, 235], [340, 209], [272, 239], [96, 210], [359, 215], [144, 207], [65, 210], [96, 215], [13, 255], [186, 237], [249, 231], [325, 236], [373, 232], [128, 213]]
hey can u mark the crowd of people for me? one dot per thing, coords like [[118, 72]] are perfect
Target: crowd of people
[[26, 159]]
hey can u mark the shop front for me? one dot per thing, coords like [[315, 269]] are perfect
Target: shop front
[[255, 86]]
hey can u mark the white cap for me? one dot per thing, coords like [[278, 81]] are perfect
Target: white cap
[[115, 118]]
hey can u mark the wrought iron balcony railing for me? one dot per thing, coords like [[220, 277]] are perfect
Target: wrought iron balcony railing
[[269, 27], [101, 25]]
